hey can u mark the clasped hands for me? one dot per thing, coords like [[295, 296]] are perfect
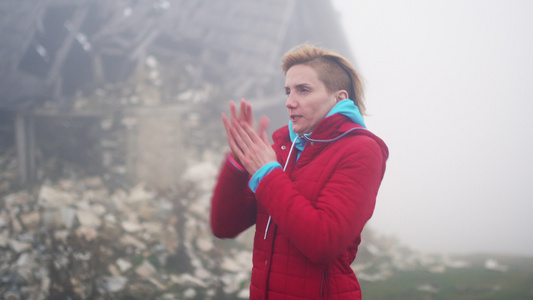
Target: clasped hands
[[249, 147]]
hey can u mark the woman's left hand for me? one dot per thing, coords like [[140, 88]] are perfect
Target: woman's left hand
[[253, 148]]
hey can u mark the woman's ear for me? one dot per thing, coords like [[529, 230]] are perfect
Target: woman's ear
[[342, 95]]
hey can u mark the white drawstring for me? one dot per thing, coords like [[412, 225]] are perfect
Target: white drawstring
[[284, 168]]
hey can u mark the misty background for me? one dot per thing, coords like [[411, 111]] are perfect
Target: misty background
[[448, 87], [111, 141]]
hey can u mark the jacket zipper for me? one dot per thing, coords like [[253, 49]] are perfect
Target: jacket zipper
[[326, 281], [284, 168]]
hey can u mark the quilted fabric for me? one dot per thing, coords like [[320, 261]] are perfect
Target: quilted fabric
[[319, 207]]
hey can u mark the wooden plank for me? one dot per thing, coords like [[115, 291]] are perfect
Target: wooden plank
[[61, 56], [25, 142], [30, 143], [20, 137]]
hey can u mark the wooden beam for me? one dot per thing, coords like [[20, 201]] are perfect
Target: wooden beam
[[20, 136], [62, 53], [30, 135], [25, 141]]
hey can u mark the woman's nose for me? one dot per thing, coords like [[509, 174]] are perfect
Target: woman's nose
[[290, 103]]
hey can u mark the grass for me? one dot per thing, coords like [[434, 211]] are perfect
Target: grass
[[474, 282]]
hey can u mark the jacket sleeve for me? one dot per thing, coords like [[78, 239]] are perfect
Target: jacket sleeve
[[326, 227], [233, 206]]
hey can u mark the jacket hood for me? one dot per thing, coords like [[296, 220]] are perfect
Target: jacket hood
[[343, 119], [345, 107]]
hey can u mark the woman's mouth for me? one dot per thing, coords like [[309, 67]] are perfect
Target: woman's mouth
[[295, 117]]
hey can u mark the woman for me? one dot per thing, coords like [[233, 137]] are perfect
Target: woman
[[312, 191]]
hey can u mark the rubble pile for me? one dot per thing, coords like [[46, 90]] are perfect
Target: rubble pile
[[9, 175], [380, 257], [84, 230], [76, 239]]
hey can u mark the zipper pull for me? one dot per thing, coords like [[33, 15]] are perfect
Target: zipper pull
[[268, 226]]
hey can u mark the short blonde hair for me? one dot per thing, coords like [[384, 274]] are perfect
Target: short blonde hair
[[335, 71]]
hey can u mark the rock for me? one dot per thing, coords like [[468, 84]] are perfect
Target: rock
[[205, 244], [30, 220], [145, 270], [240, 262], [4, 238], [88, 219], [147, 212], [45, 281], [16, 226], [493, 265], [188, 280], [17, 199], [438, 269], [68, 215], [113, 270], [50, 197], [19, 247], [87, 233], [11, 295], [139, 194], [427, 288], [52, 219], [131, 226], [25, 259], [24, 276], [244, 294], [123, 265], [157, 284], [3, 221], [116, 283], [233, 282], [57, 218], [93, 182], [203, 173], [189, 293], [61, 235], [98, 209], [128, 240]]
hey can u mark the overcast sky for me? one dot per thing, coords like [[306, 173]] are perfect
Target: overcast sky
[[449, 90]]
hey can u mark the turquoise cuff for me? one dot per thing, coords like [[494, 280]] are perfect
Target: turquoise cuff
[[258, 176]]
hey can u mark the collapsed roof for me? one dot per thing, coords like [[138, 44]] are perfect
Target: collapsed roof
[[53, 49]]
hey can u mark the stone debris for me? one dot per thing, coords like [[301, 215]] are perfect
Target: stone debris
[[493, 265], [77, 239], [427, 288], [380, 257]]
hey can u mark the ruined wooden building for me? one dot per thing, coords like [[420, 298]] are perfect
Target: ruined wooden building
[[110, 138], [151, 62]]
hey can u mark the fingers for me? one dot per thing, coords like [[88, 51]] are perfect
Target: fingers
[[249, 114], [235, 141], [242, 110], [233, 110], [245, 113], [251, 148], [243, 137], [264, 122], [226, 124], [234, 147]]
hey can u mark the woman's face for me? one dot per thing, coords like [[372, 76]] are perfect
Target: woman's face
[[308, 100]]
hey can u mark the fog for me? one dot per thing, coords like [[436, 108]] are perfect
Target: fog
[[448, 87]]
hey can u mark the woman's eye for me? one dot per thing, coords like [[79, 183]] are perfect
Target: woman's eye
[[287, 92]]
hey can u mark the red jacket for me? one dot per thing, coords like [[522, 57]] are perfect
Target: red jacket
[[319, 207]]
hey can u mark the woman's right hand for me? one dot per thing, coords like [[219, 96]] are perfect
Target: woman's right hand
[[245, 115]]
